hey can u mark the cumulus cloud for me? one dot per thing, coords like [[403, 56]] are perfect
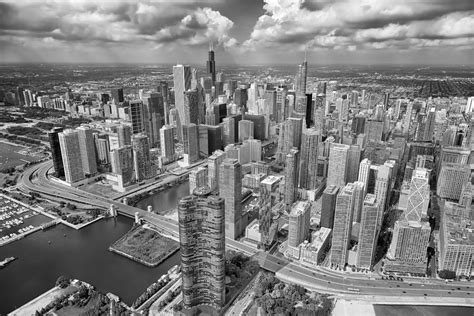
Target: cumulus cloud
[[161, 22], [357, 24]]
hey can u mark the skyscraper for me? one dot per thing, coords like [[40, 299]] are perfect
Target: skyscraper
[[182, 83], [298, 223], [328, 206], [117, 95], [167, 142], [382, 184], [211, 66], [337, 168], [291, 176], [419, 197], [190, 143], [53, 136], [430, 125], [309, 159], [122, 165], [301, 78], [451, 179], [137, 116], [197, 179], [124, 133], [141, 157], [353, 161], [230, 188], [269, 196], [342, 225], [87, 150], [154, 117], [213, 166], [70, 152], [202, 248], [293, 131], [246, 129], [368, 232]]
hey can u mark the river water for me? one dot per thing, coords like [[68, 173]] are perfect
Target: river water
[[81, 254]]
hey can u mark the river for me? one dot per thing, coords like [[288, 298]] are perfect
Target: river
[[81, 254]]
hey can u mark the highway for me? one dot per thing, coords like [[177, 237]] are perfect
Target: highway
[[317, 279]]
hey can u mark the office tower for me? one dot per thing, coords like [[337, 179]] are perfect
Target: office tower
[[451, 179], [382, 183], [281, 104], [153, 117], [298, 223], [213, 166], [318, 119], [167, 142], [359, 195], [308, 177], [228, 130], [258, 125], [455, 241], [269, 196], [211, 66], [197, 179], [102, 148], [163, 90], [293, 131], [299, 110], [374, 130], [353, 162], [358, 124], [191, 107], [240, 97], [368, 233], [71, 155], [202, 248], [246, 129], [301, 78], [270, 102], [337, 168], [87, 150], [137, 116], [328, 206], [182, 83], [309, 110], [122, 165], [203, 141], [386, 99], [117, 95], [230, 188], [214, 138], [342, 225], [408, 246], [430, 125], [141, 156], [419, 198], [53, 136], [255, 147], [291, 176], [190, 143], [453, 154]]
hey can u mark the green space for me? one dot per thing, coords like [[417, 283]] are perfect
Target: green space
[[275, 297], [145, 246]]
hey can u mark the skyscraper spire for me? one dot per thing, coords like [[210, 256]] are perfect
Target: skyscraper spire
[[211, 64]]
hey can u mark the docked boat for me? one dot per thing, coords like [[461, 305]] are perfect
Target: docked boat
[[6, 261]]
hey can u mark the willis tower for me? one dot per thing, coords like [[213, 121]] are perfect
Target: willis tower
[[211, 65]]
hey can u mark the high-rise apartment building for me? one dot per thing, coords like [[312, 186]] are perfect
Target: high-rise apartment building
[[368, 232], [141, 157], [342, 225], [230, 188], [298, 223], [328, 206], [269, 196], [71, 157], [202, 248], [291, 176], [197, 179], [55, 146], [122, 165], [87, 150], [213, 166], [308, 177], [102, 148], [337, 168]]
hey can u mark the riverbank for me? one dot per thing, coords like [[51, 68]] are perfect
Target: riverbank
[[145, 246]]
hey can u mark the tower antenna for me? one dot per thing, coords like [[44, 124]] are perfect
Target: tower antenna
[[305, 51]]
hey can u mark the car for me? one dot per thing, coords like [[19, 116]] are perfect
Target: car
[[398, 285], [449, 292], [410, 284], [459, 288], [404, 292], [425, 294]]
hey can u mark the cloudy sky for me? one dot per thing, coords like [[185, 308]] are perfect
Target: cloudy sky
[[244, 31]]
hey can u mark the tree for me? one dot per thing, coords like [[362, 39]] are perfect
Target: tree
[[447, 274], [63, 282]]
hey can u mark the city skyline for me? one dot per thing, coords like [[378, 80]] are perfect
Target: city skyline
[[249, 32]]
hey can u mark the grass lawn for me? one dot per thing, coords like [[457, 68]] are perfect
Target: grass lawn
[[146, 244]]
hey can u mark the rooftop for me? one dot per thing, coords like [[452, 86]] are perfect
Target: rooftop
[[299, 208]]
